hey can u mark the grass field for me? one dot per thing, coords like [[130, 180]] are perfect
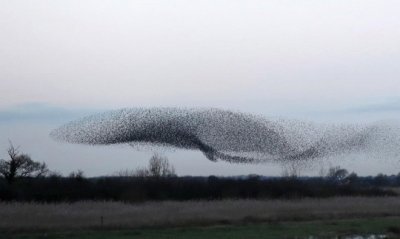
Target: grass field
[[111, 215], [201, 219], [318, 229]]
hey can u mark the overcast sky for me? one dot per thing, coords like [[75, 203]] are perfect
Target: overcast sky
[[295, 58]]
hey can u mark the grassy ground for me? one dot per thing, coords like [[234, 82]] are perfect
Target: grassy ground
[[117, 215], [321, 229], [201, 219]]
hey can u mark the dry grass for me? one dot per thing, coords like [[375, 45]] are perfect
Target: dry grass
[[83, 215]]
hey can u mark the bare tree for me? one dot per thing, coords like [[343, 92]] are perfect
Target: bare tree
[[142, 172], [160, 167], [337, 173], [125, 173], [20, 165], [79, 174], [291, 170]]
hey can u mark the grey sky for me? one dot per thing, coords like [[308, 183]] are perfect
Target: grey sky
[[291, 58], [224, 53]]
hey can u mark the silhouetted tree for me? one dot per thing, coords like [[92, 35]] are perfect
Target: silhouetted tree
[[291, 170], [398, 179], [126, 173], [337, 173], [160, 167], [78, 175], [142, 172], [381, 180], [352, 178], [20, 165]]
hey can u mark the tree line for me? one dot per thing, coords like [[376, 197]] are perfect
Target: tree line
[[26, 180], [136, 189]]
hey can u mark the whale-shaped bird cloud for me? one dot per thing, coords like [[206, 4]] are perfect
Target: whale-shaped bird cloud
[[221, 134]]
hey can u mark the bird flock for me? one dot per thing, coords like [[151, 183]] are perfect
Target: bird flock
[[230, 136]]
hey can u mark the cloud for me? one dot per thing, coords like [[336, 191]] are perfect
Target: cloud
[[380, 107], [388, 106], [40, 112]]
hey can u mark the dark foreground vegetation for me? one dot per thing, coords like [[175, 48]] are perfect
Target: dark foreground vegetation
[[133, 189], [351, 228]]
